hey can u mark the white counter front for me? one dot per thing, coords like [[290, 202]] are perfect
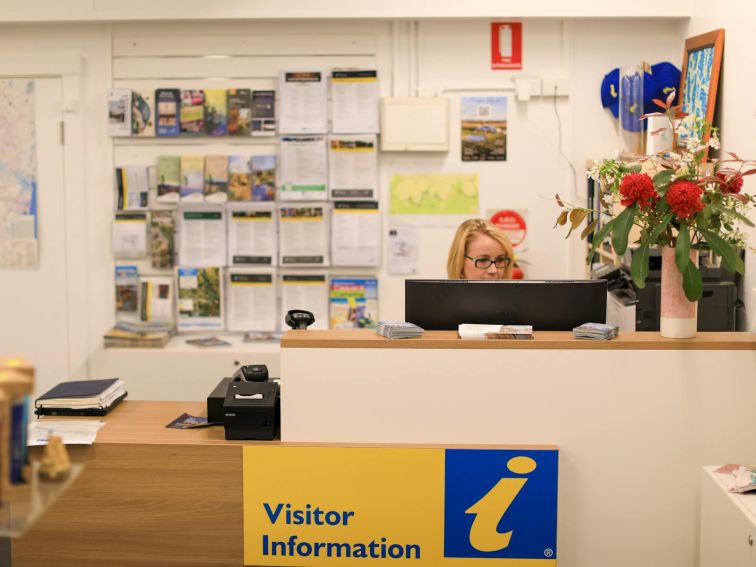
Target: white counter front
[[634, 419]]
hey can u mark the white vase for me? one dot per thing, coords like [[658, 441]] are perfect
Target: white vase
[[679, 317]]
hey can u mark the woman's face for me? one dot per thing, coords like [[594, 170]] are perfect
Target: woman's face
[[483, 246]]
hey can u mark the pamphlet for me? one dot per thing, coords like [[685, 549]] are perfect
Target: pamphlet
[[167, 102], [216, 179], [132, 188], [356, 233], [192, 179], [252, 234], [353, 167], [304, 168], [208, 342], [186, 421], [156, 299], [119, 112], [252, 300], [200, 299], [308, 292], [142, 114], [263, 113], [130, 235], [239, 179], [302, 102], [203, 236], [127, 292], [162, 239], [355, 100], [263, 178], [168, 179], [304, 235], [354, 303], [239, 112], [192, 112], [216, 119]]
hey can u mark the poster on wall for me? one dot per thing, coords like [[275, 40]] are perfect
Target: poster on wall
[[433, 199], [506, 46], [18, 176], [483, 128]]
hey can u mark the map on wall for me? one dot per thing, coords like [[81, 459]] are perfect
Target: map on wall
[[434, 194], [18, 175]]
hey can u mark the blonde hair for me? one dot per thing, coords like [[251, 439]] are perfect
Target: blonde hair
[[465, 233]]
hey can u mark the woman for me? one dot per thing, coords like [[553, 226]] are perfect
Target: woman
[[480, 251]]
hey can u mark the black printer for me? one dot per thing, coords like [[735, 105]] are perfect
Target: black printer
[[248, 405]]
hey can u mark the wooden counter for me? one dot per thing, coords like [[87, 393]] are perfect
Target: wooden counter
[[365, 338], [148, 496]]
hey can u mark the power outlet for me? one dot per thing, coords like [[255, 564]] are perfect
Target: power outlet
[[555, 87]]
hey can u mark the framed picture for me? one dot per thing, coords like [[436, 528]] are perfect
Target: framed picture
[[700, 74]]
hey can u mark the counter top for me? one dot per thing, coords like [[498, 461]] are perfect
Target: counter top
[[366, 338]]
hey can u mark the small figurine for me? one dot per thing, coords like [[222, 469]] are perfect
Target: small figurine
[[55, 464]]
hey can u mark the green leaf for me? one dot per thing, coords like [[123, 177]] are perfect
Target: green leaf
[[659, 228], [731, 260], [598, 238], [662, 179], [692, 281], [639, 266], [682, 247], [623, 224], [731, 212]]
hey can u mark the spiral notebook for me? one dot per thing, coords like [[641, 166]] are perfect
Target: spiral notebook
[[81, 397]]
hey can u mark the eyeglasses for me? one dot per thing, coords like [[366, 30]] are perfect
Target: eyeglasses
[[485, 263]]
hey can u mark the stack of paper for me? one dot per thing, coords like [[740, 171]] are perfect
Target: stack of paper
[[596, 331], [81, 397], [476, 331], [398, 330], [120, 338]]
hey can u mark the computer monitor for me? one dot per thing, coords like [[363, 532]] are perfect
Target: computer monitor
[[550, 305]]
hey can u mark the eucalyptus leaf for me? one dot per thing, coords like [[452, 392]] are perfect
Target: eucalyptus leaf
[[598, 238], [589, 228], [682, 247], [662, 179], [730, 258], [692, 281], [732, 213], [623, 224], [639, 265]]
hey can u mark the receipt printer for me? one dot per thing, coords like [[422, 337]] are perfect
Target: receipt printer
[[251, 410]]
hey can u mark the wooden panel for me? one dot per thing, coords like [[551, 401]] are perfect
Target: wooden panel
[[229, 67], [257, 44], [542, 340], [144, 505]]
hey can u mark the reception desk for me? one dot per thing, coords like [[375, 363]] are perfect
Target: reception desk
[[634, 420]]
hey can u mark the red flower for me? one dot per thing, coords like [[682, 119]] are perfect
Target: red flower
[[730, 181], [638, 188], [684, 198]]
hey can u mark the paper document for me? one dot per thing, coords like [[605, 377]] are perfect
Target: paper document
[[356, 234], [354, 303], [200, 299], [302, 98], [130, 235], [127, 293], [355, 101], [252, 300], [304, 235], [304, 168], [156, 299], [202, 237], [72, 431], [403, 250], [132, 188], [353, 167], [308, 292], [192, 179], [252, 235]]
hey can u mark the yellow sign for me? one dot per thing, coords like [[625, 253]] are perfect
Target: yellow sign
[[425, 506]]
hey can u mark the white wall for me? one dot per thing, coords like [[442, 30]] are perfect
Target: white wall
[[452, 55]]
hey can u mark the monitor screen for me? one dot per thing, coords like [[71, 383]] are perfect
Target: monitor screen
[[550, 305]]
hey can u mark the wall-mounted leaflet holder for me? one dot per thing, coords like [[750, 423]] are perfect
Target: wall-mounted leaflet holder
[[248, 404]]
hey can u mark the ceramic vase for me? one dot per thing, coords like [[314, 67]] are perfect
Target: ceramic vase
[[679, 317]]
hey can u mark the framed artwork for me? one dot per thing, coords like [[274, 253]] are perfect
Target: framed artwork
[[700, 74]]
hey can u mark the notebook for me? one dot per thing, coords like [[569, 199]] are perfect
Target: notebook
[[81, 397]]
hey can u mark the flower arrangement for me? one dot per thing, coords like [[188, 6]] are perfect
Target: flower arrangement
[[679, 200]]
